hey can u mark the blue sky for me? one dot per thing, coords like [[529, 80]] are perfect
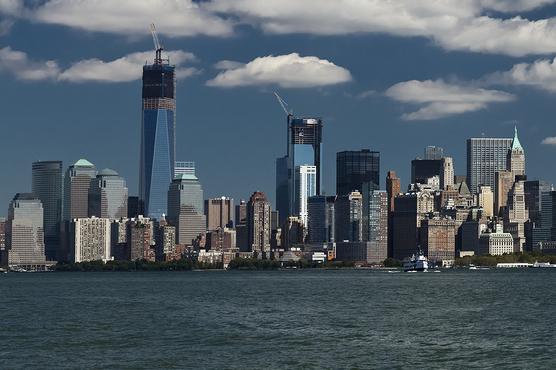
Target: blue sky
[[389, 76]]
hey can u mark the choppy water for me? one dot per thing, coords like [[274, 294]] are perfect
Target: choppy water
[[280, 319]]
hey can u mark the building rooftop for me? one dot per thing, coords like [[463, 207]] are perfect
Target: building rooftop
[[516, 145], [107, 172], [83, 163], [185, 176]]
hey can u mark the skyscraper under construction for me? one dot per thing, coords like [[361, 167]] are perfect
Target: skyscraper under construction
[[158, 140]]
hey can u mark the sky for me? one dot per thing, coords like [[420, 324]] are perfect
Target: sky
[[391, 76]]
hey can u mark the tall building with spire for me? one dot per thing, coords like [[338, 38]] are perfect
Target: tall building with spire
[[158, 142], [516, 157]]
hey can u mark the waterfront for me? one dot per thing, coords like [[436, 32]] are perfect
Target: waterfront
[[278, 319]]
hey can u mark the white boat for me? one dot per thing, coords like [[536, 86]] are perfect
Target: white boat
[[543, 265], [416, 263]]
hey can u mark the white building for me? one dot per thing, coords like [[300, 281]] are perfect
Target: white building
[[90, 239], [306, 186], [496, 243]]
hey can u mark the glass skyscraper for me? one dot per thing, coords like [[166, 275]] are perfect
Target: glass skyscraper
[[304, 149], [486, 156], [358, 170], [157, 137], [108, 195], [185, 208], [47, 186]]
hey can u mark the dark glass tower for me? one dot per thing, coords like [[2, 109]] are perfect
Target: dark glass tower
[[157, 137], [47, 186], [358, 170]]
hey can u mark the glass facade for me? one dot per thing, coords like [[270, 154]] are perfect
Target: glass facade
[[47, 186], [358, 170], [185, 208], [157, 138], [485, 156], [108, 196], [24, 231]]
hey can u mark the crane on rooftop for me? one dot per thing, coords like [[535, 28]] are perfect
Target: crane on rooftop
[[157, 45], [283, 104]]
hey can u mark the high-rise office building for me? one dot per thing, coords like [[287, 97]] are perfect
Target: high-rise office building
[[258, 223], [377, 250], [504, 180], [219, 212], [409, 210], [282, 189], [545, 228], [434, 152], [424, 169], [485, 200], [108, 195], [305, 187], [90, 239], [516, 157], [320, 220], [158, 141], [486, 156], [516, 215], [140, 240], [438, 238], [304, 147], [348, 211], [133, 206], [24, 232], [393, 188], [184, 168], [47, 186], [185, 208], [358, 170], [533, 191], [77, 182], [3, 251]]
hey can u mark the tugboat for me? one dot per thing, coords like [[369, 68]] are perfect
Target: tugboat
[[416, 263]]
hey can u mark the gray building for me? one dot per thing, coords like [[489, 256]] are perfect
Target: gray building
[[24, 232], [108, 195], [434, 152], [47, 186], [185, 208], [486, 156], [76, 189]]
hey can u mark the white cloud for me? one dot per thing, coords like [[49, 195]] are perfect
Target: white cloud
[[439, 99], [452, 24], [18, 64], [549, 141], [515, 5], [124, 69], [131, 17], [127, 68], [540, 74], [288, 71]]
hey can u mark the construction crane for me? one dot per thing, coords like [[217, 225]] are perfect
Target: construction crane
[[157, 46], [283, 104]]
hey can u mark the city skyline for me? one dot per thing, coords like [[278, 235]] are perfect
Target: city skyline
[[108, 137]]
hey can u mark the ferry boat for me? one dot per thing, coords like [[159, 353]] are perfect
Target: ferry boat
[[416, 263]]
